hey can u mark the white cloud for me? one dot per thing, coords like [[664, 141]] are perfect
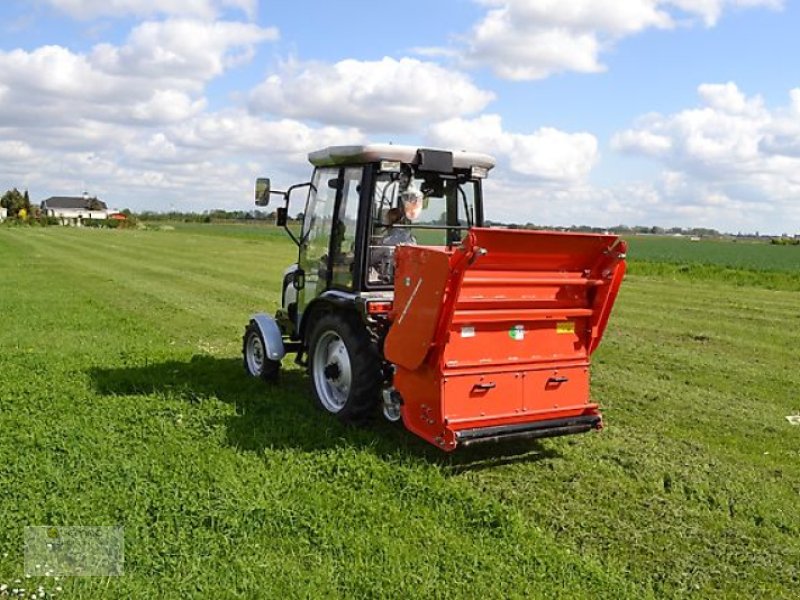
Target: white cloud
[[726, 156], [15, 151], [722, 135], [532, 39], [519, 201], [129, 122], [546, 154], [644, 141], [155, 77], [235, 131], [209, 160], [388, 95], [204, 9], [166, 106], [687, 204], [188, 52]]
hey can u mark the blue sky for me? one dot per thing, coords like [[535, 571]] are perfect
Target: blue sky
[[654, 112]]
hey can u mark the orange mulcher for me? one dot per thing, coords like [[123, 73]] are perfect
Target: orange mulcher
[[493, 339]]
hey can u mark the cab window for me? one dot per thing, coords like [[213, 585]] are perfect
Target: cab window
[[343, 243], [416, 210], [317, 230]]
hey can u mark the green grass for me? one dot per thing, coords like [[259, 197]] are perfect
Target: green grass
[[747, 264], [123, 402], [724, 253]]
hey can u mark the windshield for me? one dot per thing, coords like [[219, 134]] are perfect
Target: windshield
[[414, 209]]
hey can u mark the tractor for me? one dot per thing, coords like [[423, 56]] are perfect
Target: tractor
[[403, 301]]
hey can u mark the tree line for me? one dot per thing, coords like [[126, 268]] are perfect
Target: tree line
[[19, 207]]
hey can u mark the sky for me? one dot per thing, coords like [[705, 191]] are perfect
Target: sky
[[676, 113]]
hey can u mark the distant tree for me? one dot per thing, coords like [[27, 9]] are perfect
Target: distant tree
[[14, 201]]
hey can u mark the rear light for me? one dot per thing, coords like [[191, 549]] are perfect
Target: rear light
[[479, 172], [378, 308]]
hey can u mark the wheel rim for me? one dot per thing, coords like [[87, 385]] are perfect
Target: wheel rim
[[255, 354], [332, 371]]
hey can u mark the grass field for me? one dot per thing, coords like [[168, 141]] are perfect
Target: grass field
[[123, 402], [739, 263]]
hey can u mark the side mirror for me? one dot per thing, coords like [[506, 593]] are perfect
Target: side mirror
[[262, 191], [281, 216]]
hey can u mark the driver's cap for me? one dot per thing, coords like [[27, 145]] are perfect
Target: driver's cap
[[411, 194]]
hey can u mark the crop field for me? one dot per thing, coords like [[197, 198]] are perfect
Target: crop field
[[742, 263], [123, 403]]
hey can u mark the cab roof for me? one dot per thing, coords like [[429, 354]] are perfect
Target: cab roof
[[369, 153]]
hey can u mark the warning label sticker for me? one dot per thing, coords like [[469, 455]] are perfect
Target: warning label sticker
[[564, 327], [517, 332]]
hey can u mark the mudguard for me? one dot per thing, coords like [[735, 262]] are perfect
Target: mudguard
[[271, 335]]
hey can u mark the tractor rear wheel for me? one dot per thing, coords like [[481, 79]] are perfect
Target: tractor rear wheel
[[254, 352], [344, 368]]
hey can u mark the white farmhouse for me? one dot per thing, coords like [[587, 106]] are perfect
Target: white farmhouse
[[73, 210], [3, 213]]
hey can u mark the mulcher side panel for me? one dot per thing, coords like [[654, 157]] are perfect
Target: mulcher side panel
[[420, 291], [519, 316]]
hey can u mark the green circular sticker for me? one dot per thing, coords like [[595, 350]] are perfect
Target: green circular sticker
[[517, 332]]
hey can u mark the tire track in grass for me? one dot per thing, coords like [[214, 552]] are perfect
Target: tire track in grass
[[143, 302], [230, 253], [229, 264], [164, 269], [732, 365], [166, 307], [719, 297], [163, 285], [697, 321], [663, 509], [746, 457], [710, 390]]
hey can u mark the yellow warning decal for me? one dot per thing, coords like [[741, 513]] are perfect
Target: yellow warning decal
[[565, 327]]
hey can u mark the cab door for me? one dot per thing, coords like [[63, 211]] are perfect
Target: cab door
[[316, 234], [345, 246]]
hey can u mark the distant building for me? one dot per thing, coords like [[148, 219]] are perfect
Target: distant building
[[73, 210], [3, 213]]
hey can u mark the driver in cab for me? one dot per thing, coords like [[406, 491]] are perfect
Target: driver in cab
[[410, 209]]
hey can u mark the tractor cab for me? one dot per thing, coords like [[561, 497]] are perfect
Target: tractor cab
[[361, 203]]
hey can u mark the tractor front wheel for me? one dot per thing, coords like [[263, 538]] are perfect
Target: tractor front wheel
[[254, 351], [344, 368]]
